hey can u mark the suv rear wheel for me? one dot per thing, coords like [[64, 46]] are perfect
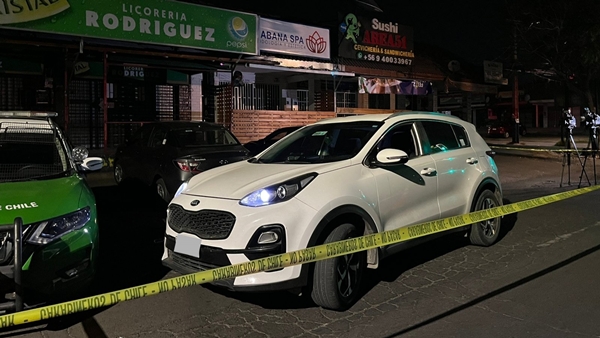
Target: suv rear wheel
[[486, 233], [337, 281]]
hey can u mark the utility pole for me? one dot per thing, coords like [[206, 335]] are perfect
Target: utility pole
[[515, 89]]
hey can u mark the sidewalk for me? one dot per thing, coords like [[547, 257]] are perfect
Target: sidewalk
[[536, 146]]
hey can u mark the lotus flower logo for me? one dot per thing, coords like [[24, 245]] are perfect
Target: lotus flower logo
[[316, 43]]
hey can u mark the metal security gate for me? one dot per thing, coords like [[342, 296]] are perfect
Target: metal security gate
[[256, 97], [18, 92], [85, 125]]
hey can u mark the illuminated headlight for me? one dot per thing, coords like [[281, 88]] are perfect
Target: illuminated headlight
[[278, 192], [50, 230], [181, 188]]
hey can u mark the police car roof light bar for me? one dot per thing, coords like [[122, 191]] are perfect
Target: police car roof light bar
[[27, 114]]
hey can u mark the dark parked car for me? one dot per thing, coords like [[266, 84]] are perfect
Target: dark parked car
[[504, 129], [166, 154], [255, 147]]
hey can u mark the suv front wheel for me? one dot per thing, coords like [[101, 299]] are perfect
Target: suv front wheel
[[337, 281]]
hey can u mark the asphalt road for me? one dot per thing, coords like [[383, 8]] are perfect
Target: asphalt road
[[541, 280]]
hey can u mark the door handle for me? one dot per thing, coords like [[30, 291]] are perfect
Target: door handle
[[472, 160], [429, 172]]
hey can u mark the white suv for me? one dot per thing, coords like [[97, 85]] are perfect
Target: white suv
[[329, 181]]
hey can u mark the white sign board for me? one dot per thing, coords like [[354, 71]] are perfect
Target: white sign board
[[293, 39]]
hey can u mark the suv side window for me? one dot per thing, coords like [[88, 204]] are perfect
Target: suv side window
[[461, 135], [158, 137], [441, 136], [141, 136], [400, 137]]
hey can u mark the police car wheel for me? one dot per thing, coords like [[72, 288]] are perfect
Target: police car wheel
[[485, 233], [337, 282]]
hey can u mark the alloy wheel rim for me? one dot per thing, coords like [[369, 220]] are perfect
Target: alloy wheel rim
[[160, 191], [347, 273], [118, 174], [489, 226]]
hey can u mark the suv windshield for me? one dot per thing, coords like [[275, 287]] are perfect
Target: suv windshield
[[30, 152], [322, 143], [199, 137]]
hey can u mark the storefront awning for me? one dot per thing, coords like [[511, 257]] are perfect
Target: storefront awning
[[179, 65], [299, 70]]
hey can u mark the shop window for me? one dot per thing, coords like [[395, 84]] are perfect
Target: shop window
[[302, 99], [379, 101]]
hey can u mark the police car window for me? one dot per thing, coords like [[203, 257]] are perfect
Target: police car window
[[441, 136]]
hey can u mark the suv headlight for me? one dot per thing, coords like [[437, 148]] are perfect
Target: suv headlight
[[278, 192], [181, 188], [50, 230]]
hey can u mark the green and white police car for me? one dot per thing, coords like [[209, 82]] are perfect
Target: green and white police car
[[42, 183]]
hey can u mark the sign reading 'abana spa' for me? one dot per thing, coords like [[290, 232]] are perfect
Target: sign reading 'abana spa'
[[162, 22]]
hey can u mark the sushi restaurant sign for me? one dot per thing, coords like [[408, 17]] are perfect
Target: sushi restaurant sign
[[163, 22]]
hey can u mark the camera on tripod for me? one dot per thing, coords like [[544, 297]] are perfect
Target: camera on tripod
[[568, 118], [589, 119]]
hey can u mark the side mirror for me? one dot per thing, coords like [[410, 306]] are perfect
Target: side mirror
[[80, 154], [92, 164], [388, 157]]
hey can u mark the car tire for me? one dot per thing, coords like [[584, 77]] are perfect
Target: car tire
[[118, 174], [486, 233], [337, 281], [161, 190], [506, 135], [523, 132]]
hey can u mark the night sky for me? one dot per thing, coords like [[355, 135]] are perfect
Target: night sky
[[473, 30]]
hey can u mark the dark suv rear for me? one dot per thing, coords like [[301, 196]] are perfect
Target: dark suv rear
[[166, 154]]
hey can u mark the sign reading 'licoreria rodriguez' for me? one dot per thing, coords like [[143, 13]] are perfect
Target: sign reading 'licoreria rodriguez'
[[163, 22]]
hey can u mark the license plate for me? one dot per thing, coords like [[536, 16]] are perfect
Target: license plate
[[188, 245]]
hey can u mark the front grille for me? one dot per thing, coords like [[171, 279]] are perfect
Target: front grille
[[206, 224]]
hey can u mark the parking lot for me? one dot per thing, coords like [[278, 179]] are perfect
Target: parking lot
[[538, 281]]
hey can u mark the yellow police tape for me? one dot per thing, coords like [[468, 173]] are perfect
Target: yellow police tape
[[308, 255]]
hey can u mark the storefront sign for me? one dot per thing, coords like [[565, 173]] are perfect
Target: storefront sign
[[136, 73], [19, 66], [375, 39], [81, 67], [294, 39], [162, 22], [393, 86], [493, 72]]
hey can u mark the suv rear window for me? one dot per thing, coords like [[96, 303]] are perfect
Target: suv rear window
[[198, 137]]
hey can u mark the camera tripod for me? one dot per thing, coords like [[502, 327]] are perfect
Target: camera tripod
[[591, 150], [567, 161]]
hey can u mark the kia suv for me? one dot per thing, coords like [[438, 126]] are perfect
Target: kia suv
[[330, 181]]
